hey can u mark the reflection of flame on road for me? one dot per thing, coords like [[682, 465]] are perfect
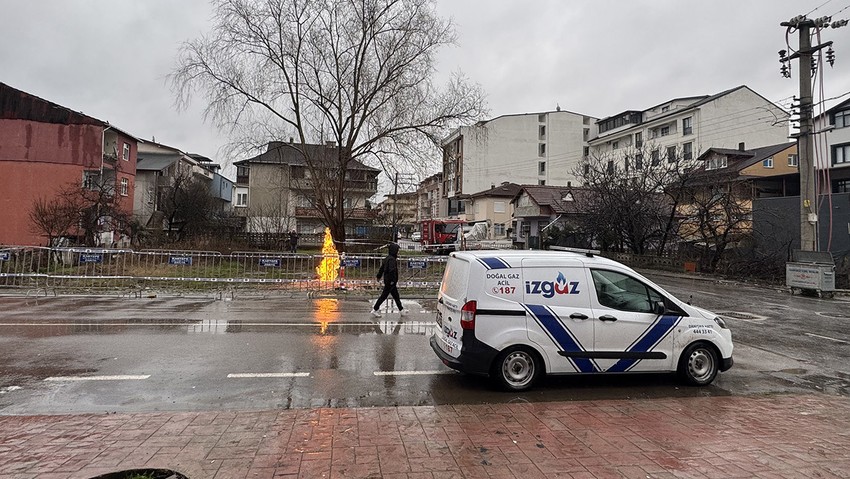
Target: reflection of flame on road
[[328, 269], [326, 312]]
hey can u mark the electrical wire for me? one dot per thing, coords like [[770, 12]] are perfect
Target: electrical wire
[[818, 7]]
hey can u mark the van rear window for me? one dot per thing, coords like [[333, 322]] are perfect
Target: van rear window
[[455, 279]]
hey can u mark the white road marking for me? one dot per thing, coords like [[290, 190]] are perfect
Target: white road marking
[[827, 337], [125, 377], [410, 373], [269, 375]]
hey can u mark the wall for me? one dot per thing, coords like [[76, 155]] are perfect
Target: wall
[[29, 141], [776, 222]]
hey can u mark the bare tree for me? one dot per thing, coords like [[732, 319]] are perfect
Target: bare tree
[[53, 217], [634, 199], [358, 73], [187, 205], [717, 215]]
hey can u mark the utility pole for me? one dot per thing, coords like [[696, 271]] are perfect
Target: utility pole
[[805, 150], [395, 201]]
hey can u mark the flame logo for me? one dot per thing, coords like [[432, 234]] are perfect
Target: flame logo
[[561, 279], [328, 269]]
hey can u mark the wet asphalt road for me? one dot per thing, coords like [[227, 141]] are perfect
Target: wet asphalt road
[[84, 354]]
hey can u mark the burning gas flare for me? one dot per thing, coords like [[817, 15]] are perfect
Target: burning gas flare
[[328, 269]]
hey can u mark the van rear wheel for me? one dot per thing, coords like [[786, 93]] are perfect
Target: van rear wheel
[[516, 369]]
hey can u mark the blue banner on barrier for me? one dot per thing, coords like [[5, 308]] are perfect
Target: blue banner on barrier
[[351, 262], [417, 264], [91, 258], [180, 260], [5, 255], [270, 262]]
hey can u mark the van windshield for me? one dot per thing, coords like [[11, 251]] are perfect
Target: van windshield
[[455, 279]]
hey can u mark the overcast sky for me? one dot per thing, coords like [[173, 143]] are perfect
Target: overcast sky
[[109, 58]]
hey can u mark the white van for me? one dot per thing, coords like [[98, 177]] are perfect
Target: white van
[[516, 315]]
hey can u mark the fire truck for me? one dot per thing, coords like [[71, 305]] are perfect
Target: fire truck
[[441, 234]]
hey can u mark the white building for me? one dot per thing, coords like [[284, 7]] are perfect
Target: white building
[[531, 148], [832, 147], [735, 119]]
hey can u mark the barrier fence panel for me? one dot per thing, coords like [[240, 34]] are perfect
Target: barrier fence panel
[[122, 269]]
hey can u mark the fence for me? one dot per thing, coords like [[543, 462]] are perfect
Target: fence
[[69, 269]]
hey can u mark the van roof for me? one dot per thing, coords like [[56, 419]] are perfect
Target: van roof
[[512, 257]]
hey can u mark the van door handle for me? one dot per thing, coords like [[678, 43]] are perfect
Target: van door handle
[[578, 316], [607, 317]]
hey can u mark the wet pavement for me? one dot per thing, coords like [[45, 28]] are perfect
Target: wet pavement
[[783, 436], [313, 387]]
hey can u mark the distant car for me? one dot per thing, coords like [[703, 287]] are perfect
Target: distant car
[[416, 236]]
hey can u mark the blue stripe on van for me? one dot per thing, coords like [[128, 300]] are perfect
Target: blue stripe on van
[[494, 263], [647, 342], [561, 335]]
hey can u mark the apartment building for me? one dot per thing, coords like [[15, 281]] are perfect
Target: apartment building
[[738, 118], [530, 148], [832, 148]]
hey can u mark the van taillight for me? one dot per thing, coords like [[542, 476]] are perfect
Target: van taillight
[[467, 315]]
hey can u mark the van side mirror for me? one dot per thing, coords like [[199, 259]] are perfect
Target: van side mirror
[[659, 308]]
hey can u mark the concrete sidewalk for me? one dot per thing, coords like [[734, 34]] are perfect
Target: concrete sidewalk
[[714, 437]]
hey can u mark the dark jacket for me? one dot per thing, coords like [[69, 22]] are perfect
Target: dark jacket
[[389, 266]]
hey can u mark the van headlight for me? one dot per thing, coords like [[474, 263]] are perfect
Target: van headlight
[[720, 322]]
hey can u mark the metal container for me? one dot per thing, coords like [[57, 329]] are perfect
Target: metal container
[[812, 271]]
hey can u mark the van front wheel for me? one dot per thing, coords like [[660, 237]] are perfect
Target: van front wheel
[[517, 368], [698, 364]]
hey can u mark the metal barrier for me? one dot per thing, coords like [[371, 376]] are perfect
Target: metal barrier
[[61, 269]]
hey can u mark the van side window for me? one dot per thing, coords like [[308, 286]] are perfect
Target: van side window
[[618, 291]]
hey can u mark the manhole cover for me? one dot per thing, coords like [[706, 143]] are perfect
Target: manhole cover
[[740, 315], [835, 315]]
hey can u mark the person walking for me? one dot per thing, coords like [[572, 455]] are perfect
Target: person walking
[[293, 241], [389, 271]]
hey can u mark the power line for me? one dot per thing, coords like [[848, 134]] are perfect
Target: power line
[[819, 6]]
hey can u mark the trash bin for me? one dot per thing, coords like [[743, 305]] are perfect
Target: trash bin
[[811, 271]]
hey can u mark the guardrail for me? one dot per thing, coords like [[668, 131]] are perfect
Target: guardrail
[[61, 269]]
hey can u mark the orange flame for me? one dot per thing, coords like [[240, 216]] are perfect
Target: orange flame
[[328, 269]]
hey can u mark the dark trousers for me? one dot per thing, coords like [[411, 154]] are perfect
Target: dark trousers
[[389, 289]]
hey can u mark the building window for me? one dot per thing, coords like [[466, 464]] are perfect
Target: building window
[[639, 161], [638, 140], [665, 108], [655, 158], [126, 156], [542, 132], [499, 229], [91, 180], [687, 151], [610, 167], [541, 118], [124, 189], [842, 186], [586, 151], [498, 207], [665, 130], [841, 154], [241, 197], [767, 162], [671, 154], [615, 145], [541, 167], [626, 163], [687, 127], [716, 162], [542, 149], [841, 119], [586, 169], [541, 182], [793, 160]]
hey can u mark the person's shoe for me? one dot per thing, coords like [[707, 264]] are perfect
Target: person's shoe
[[376, 313], [403, 312]]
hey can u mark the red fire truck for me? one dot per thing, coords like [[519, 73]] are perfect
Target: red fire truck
[[441, 234]]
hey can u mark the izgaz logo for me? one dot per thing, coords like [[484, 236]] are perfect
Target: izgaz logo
[[548, 289]]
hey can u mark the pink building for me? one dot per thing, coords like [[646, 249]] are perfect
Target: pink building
[[45, 147]]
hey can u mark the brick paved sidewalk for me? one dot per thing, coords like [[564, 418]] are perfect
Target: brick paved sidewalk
[[716, 437]]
